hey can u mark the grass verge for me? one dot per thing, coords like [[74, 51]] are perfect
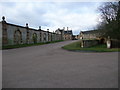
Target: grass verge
[[27, 45], [97, 48]]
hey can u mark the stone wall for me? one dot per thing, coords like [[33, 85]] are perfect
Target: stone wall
[[115, 44], [0, 36], [88, 43], [15, 34]]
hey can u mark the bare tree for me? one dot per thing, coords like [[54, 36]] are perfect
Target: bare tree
[[109, 11], [110, 15]]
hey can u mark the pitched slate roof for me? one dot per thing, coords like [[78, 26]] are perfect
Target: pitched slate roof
[[90, 32]]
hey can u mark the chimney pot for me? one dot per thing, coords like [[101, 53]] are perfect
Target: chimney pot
[[39, 27], [67, 28]]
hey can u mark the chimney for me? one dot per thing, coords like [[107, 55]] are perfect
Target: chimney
[[67, 28], [63, 28], [39, 27]]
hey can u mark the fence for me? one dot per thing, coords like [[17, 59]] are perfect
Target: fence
[[115, 43]]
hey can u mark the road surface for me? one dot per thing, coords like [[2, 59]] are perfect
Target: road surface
[[49, 66]]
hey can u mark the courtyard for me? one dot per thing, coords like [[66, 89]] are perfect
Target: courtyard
[[50, 66]]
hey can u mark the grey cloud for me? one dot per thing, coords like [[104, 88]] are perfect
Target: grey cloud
[[51, 14]]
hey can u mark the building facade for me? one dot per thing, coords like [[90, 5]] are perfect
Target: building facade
[[92, 34], [14, 34], [60, 32], [67, 34]]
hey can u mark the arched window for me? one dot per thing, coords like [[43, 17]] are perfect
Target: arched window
[[17, 37]]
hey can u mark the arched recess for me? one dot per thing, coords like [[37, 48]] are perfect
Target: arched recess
[[44, 37], [34, 37], [17, 37]]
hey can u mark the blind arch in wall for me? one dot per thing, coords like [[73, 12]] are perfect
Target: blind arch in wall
[[34, 37], [17, 37]]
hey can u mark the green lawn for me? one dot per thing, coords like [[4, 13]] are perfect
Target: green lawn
[[27, 45], [98, 48]]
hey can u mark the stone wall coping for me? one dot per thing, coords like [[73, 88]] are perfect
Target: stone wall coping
[[26, 27]]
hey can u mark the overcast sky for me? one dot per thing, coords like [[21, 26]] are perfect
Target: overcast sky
[[78, 16]]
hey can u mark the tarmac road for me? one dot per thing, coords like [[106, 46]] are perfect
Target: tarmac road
[[49, 66]]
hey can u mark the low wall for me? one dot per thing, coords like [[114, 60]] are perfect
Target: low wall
[[88, 43]]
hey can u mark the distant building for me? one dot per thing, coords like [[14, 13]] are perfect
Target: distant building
[[60, 32], [92, 34], [76, 36], [67, 34]]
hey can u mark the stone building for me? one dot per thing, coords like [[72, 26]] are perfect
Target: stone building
[[60, 32], [92, 34], [67, 34], [14, 34]]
